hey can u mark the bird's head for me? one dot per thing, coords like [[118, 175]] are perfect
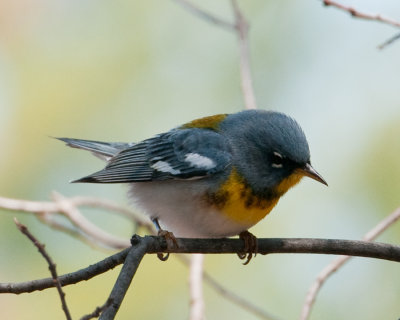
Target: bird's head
[[271, 150]]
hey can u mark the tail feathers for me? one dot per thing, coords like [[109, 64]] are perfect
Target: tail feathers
[[87, 179], [102, 150]]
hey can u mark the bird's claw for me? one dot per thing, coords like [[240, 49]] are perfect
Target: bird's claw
[[250, 246], [171, 243]]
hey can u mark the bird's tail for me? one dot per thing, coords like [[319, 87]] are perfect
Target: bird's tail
[[102, 150]]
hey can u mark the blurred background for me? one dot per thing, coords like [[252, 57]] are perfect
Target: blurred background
[[126, 70]]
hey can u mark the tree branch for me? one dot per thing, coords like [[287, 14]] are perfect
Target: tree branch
[[279, 245], [131, 264], [66, 279], [217, 246]]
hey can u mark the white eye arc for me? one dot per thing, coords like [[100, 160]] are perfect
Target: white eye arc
[[277, 161]]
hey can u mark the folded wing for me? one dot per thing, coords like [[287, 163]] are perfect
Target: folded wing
[[178, 154]]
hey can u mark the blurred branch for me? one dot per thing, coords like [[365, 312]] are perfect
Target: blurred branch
[[362, 15], [75, 216], [78, 201], [241, 27], [196, 287], [52, 266], [205, 15], [389, 41], [340, 261], [366, 16], [230, 295], [50, 220], [69, 208], [238, 300]]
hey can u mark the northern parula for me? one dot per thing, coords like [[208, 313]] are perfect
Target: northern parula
[[212, 177]]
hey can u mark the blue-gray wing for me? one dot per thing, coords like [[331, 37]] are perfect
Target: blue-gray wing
[[178, 154]]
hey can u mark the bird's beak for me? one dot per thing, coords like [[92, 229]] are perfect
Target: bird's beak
[[309, 171]]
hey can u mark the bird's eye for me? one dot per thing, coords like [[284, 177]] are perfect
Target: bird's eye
[[277, 160]]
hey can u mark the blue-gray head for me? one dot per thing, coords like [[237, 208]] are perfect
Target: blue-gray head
[[273, 143]]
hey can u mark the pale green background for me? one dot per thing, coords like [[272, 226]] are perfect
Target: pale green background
[[125, 70]]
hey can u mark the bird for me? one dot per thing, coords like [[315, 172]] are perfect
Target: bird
[[212, 177]]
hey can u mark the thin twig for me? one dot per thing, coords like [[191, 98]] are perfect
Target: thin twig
[[205, 15], [52, 266], [340, 261], [242, 29], [389, 41], [196, 287], [97, 312], [362, 15]]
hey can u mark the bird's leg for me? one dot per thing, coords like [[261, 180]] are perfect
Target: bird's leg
[[250, 246], [168, 236]]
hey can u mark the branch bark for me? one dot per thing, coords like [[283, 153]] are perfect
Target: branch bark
[[66, 279], [216, 246], [131, 264]]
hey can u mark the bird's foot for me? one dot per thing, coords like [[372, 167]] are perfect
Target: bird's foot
[[171, 243], [168, 236], [250, 246]]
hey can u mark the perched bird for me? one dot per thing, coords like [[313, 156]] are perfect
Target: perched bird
[[212, 177]]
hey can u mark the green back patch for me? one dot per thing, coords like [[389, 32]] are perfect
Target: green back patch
[[211, 122]]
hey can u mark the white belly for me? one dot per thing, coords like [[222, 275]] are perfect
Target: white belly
[[180, 208]]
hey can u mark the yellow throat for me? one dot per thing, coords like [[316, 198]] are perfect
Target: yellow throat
[[236, 200]]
